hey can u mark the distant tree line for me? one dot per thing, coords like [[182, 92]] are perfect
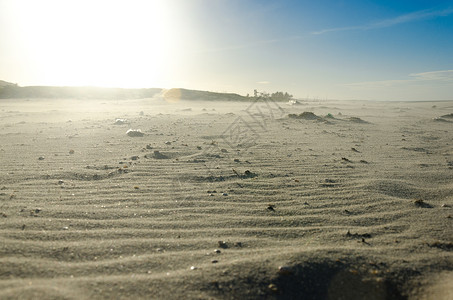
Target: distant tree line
[[277, 96], [280, 96]]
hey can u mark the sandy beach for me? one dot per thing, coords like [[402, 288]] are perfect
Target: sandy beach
[[226, 200]]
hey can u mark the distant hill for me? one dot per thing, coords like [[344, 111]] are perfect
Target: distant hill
[[4, 83], [10, 90], [184, 94], [13, 91]]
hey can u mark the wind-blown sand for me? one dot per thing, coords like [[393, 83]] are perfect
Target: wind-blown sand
[[226, 200]]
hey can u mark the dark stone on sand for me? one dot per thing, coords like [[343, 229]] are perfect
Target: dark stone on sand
[[357, 235], [422, 204], [223, 244], [271, 207], [248, 174], [447, 246]]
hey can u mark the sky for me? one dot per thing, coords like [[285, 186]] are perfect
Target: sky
[[357, 49]]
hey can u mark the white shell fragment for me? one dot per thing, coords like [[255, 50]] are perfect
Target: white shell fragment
[[120, 121], [134, 132]]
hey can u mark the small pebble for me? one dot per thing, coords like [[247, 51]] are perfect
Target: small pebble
[[224, 194], [217, 251], [273, 288], [214, 261], [41, 158], [284, 270], [193, 268], [222, 244]]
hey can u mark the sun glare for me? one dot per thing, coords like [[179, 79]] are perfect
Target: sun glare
[[102, 43]]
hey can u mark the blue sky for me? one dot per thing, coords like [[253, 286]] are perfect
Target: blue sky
[[383, 50]]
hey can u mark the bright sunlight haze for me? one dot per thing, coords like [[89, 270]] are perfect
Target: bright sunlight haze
[[383, 50]]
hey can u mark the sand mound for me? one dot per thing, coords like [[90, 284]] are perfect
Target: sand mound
[[448, 116], [357, 120], [441, 120], [306, 115]]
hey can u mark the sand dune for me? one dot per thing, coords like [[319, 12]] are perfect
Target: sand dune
[[354, 203]]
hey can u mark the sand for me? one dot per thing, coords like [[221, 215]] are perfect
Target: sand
[[225, 200]]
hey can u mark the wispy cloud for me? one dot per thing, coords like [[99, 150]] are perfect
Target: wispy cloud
[[252, 44], [444, 77], [406, 18]]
